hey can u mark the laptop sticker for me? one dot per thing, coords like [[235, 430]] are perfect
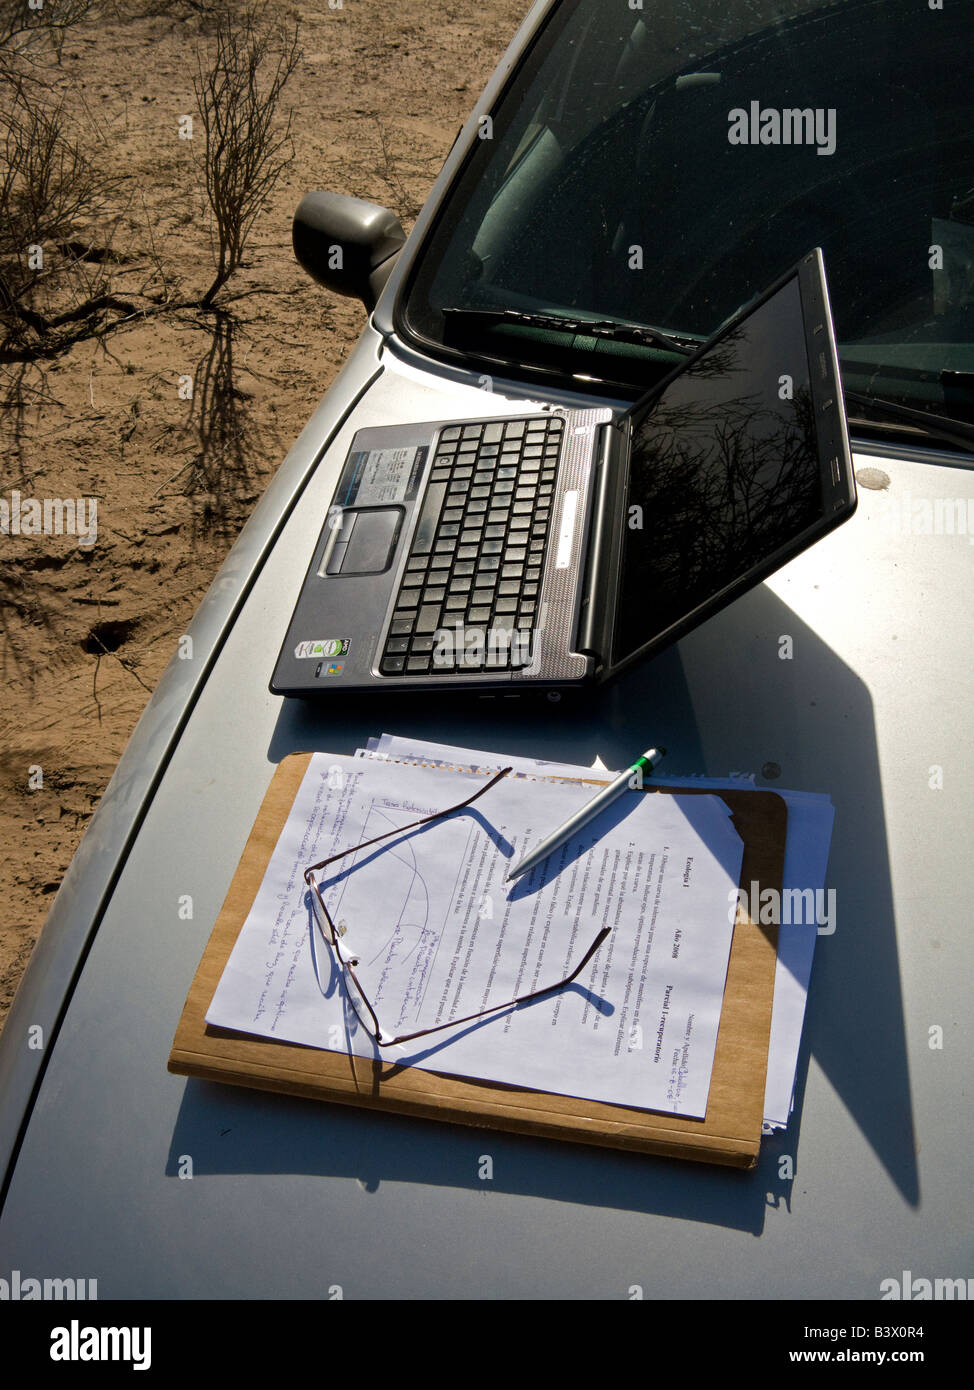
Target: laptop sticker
[[333, 646]]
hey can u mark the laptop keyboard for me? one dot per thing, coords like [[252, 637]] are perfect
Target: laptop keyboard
[[469, 595]]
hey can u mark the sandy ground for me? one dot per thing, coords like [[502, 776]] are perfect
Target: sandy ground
[[86, 631]]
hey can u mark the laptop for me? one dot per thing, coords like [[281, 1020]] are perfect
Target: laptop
[[552, 549]]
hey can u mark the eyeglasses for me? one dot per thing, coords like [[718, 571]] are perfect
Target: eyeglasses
[[334, 934]]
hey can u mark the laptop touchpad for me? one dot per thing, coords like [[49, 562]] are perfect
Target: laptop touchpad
[[371, 543]]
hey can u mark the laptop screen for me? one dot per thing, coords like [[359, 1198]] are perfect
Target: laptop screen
[[724, 472]]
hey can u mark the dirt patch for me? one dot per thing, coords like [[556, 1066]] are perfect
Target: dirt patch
[[86, 629]]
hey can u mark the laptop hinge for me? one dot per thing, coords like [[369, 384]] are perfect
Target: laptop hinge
[[592, 614]]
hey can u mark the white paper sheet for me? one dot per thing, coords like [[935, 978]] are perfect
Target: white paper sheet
[[809, 836], [440, 934]]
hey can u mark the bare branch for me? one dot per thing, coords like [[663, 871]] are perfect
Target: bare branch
[[245, 152]]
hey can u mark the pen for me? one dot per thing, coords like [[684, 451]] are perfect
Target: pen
[[644, 765]]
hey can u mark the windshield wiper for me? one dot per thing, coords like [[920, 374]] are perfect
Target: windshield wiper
[[616, 330], [955, 432]]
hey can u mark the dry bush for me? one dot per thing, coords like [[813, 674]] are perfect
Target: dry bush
[[244, 152], [59, 209], [54, 284], [30, 35]]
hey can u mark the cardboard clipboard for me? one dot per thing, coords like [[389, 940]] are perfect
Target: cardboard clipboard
[[730, 1133]]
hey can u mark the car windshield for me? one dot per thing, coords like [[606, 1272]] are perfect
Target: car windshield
[[661, 164]]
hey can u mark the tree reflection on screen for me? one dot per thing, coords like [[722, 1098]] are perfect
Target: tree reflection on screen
[[719, 481]]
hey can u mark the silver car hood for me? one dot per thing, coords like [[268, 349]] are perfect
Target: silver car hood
[[289, 1198]]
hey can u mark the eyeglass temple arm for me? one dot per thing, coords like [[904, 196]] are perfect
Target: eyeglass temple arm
[[510, 1004], [401, 829]]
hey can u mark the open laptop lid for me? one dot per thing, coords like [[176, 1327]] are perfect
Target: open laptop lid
[[735, 463]]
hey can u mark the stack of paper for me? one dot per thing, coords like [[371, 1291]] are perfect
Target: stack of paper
[[441, 934], [810, 820]]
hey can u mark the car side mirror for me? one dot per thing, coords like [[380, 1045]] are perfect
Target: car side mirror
[[347, 244]]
